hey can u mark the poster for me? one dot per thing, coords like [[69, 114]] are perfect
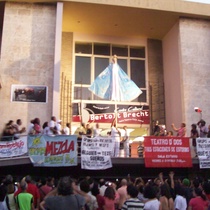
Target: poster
[[13, 148], [29, 93], [203, 152], [167, 152], [96, 153], [53, 151]]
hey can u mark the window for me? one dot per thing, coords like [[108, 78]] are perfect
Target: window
[[100, 63], [120, 50], [101, 49], [83, 70], [92, 58]]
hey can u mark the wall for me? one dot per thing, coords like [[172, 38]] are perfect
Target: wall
[[195, 63], [186, 71], [155, 78], [27, 57], [172, 78]]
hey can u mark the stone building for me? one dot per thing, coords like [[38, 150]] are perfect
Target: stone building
[[50, 53]]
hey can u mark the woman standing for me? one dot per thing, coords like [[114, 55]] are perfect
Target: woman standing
[[109, 198], [166, 199], [37, 127], [45, 128], [181, 132]]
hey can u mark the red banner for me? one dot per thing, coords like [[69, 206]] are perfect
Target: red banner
[[138, 117], [167, 152]]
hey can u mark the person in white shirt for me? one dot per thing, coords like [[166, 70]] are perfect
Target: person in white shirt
[[45, 128], [103, 186], [115, 134], [125, 141], [59, 127], [52, 126], [30, 130], [150, 192], [96, 131], [66, 130], [180, 202]]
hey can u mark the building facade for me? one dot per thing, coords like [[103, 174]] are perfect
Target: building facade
[[51, 53]]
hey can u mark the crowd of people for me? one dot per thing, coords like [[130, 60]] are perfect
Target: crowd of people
[[198, 129], [130, 193], [12, 130], [121, 137]]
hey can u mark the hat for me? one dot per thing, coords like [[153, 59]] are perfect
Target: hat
[[59, 121], [186, 182]]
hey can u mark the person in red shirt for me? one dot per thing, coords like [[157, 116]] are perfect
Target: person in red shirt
[[199, 202], [32, 189], [109, 198], [45, 189]]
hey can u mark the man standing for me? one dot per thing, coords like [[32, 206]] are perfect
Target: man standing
[[45, 189], [59, 127], [96, 131], [122, 192], [132, 202], [64, 198], [88, 131], [126, 142], [52, 126], [203, 129], [24, 200], [18, 129], [29, 188]]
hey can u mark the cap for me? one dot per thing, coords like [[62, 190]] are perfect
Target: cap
[[186, 182]]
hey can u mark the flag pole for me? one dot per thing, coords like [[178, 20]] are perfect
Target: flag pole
[[116, 115], [115, 89]]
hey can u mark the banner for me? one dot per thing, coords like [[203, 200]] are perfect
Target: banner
[[203, 152], [96, 153], [53, 151], [167, 152], [13, 148], [105, 113]]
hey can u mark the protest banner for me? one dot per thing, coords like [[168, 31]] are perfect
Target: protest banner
[[203, 152], [167, 152], [13, 148], [96, 153], [53, 151]]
